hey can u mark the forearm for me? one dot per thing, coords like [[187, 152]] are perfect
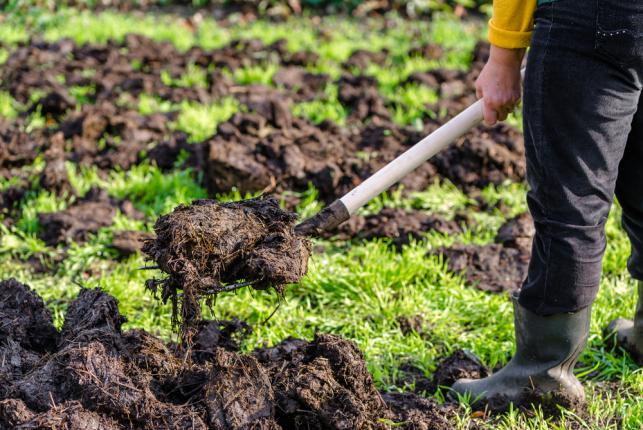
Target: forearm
[[510, 57]]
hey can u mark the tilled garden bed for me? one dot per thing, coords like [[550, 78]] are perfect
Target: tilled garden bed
[[264, 148]]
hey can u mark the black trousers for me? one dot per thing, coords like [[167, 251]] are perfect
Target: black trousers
[[583, 123]]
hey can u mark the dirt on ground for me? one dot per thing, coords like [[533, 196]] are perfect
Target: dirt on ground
[[489, 267], [257, 152], [485, 156], [17, 147], [85, 216], [518, 233], [460, 364], [497, 267], [92, 374], [208, 247], [263, 149], [10, 199], [549, 403], [400, 225], [128, 242]]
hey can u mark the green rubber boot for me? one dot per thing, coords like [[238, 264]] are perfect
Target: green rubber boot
[[547, 349], [629, 333]]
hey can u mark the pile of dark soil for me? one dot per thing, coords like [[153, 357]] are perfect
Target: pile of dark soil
[[128, 242], [489, 268], [9, 200], [268, 148], [460, 364], [93, 375], [301, 84], [484, 156], [207, 246], [361, 58], [124, 135], [17, 147], [360, 94], [497, 267], [399, 225], [518, 233], [54, 176], [84, 217]]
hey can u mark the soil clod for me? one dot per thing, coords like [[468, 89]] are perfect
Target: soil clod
[[24, 318], [86, 216], [419, 413], [518, 233], [498, 267], [491, 268], [129, 242], [400, 225], [213, 335], [460, 364]]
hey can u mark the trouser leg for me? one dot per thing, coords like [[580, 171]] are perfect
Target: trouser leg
[[628, 333], [579, 106], [629, 191]]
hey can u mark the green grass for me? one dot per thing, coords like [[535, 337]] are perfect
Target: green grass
[[410, 104], [152, 191], [249, 75], [356, 289], [9, 108], [194, 76], [200, 121], [83, 94], [148, 105], [328, 108]]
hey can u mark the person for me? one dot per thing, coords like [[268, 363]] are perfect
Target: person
[[583, 127]]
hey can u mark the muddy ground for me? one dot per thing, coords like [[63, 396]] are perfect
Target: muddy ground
[[92, 374], [96, 209], [263, 149], [498, 267], [400, 225]]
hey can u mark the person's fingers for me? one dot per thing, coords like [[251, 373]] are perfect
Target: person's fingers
[[516, 100], [505, 109], [497, 104], [489, 114]]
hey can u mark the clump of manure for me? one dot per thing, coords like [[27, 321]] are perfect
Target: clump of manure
[[209, 247]]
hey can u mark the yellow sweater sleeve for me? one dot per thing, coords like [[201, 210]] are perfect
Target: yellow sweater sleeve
[[512, 23]]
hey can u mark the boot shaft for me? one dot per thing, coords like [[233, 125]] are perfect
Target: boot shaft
[[553, 339]]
